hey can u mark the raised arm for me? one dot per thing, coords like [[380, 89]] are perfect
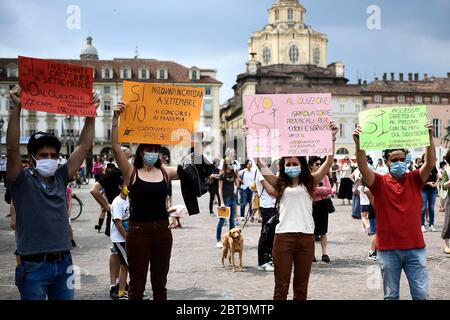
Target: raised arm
[[430, 155], [325, 167], [122, 161], [361, 158], [267, 173], [269, 189], [84, 143], [14, 164]]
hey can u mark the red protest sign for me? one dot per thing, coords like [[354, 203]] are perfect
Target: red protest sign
[[56, 87]]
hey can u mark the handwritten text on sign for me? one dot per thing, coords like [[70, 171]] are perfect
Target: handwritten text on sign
[[395, 127], [56, 87], [159, 114], [288, 125]]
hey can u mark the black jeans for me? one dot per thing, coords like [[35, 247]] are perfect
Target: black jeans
[[213, 192], [264, 246]]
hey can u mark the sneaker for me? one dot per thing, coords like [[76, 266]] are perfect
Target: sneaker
[[236, 222], [266, 267], [122, 295], [447, 250], [212, 214], [219, 245], [432, 229], [373, 255], [326, 258], [98, 228], [424, 229], [114, 292]]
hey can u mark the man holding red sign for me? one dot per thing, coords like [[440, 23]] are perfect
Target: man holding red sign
[[39, 196]]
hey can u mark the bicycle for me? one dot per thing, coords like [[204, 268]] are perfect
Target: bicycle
[[77, 207]]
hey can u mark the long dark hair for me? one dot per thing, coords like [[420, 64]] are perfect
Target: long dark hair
[[139, 160], [305, 177]]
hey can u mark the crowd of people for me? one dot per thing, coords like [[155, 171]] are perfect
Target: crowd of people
[[291, 197]]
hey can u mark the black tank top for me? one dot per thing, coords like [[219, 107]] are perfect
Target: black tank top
[[148, 200]]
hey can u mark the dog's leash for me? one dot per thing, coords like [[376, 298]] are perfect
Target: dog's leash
[[249, 212]]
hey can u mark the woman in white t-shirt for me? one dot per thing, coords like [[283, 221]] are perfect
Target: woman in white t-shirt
[[364, 204], [345, 190], [294, 234]]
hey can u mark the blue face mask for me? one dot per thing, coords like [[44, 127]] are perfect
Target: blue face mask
[[398, 169], [292, 171], [150, 158]]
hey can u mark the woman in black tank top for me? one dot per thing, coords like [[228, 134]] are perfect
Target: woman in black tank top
[[149, 239]]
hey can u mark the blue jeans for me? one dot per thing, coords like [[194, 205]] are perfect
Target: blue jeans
[[356, 208], [428, 199], [229, 202], [38, 280], [246, 198], [413, 262]]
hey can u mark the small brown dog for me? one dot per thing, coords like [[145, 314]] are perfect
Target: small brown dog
[[233, 242]]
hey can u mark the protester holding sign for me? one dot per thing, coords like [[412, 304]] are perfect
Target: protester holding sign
[[294, 235], [39, 196], [149, 239], [397, 202]]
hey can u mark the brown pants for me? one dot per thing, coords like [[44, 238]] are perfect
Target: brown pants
[[288, 248], [148, 242]]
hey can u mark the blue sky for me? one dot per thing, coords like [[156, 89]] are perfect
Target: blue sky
[[414, 35]]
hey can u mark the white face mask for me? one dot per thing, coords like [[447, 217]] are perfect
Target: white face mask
[[46, 167]]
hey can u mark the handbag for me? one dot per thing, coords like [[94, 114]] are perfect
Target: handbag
[[255, 201], [329, 207]]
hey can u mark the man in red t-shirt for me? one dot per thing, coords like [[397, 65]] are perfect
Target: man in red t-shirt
[[397, 202]]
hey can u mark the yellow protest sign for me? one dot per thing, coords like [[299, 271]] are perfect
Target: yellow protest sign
[[159, 114], [394, 127]]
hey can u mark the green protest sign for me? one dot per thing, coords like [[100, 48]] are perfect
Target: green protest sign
[[394, 127]]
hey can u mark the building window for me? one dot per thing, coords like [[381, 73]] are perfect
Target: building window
[[51, 132], [107, 105], [194, 74], [378, 99], [266, 55], [419, 99], [401, 99], [125, 73], [342, 108], [316, 56], [107, 73], [143, 74], [207, 108], [12, 71], [208, 91], [427, 99], [106, 90], [11, 104], [277, 15], [437, 128], [290, 14], [293, 53], [357, 108], [108, 134], [343, 151], [162, 74], [436, 99], [342, 130]]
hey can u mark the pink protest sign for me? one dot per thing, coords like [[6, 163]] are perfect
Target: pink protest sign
[[288, 125]]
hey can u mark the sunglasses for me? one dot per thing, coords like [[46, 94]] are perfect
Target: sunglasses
[[40, 135]]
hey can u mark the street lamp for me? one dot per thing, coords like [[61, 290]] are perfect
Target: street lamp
[[2, 123]]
